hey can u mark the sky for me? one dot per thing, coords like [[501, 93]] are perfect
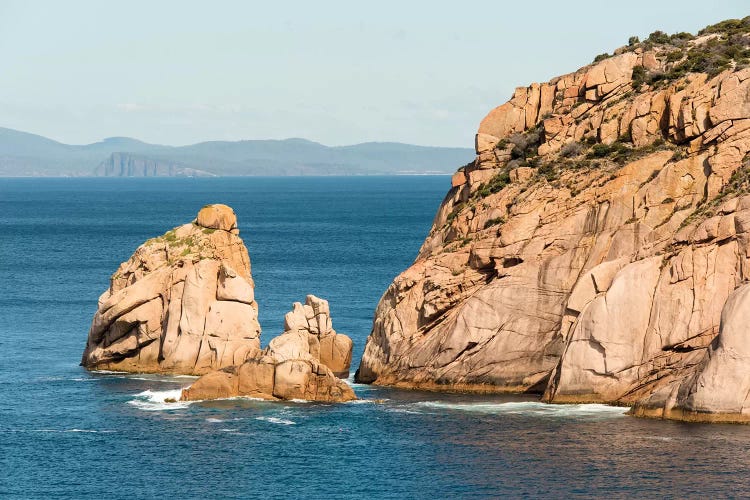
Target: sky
[[336, 72]]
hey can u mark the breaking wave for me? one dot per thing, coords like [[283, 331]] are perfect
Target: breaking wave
[[149, 400], [532, 408], [276, 420]]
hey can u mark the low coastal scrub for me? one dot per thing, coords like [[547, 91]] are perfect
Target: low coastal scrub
[[716, 48]]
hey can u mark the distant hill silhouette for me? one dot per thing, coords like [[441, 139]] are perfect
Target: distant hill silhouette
[[29, 155]]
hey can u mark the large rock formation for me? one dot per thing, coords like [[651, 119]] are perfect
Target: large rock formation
[[301, 363], [183, 303], [588, 252]]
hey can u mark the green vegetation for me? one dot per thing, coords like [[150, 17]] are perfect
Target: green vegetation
[[208, 230], [456, 210], [728, 48], [494, 222], [464, 241], [728, 27], [571, 149], [498, 182]]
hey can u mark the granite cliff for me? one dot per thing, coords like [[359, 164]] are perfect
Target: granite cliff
[[134, 165], [597, 249]]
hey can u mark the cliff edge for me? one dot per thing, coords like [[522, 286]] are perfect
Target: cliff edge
[[596, 249]]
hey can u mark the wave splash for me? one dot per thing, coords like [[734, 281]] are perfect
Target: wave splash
[[276, 420], [532, 408], [149, 400]]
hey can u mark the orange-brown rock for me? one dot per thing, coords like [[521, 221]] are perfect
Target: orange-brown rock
[[602, 276], [183, 303], [301, 363]]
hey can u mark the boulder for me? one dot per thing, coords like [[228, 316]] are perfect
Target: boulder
[[304, 362], [217, 217]]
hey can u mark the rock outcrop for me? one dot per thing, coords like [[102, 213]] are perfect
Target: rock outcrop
[[301, 363], [183, 303], [588, 252]]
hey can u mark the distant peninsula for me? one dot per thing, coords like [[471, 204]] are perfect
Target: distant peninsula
[[27, 155]]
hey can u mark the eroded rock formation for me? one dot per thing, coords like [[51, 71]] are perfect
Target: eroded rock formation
[[301, 363], [588, 252], [183, 303]]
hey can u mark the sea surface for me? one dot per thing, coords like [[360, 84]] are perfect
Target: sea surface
[[67, 433]]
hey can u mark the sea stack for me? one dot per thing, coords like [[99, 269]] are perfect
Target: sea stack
[[183, 303], [597, 248], [301, 363]]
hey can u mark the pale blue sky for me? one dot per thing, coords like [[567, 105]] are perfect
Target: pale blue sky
[[178, 72]]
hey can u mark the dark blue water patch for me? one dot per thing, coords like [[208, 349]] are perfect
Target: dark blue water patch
[[66, 433]]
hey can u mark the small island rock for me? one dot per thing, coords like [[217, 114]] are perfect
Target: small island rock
[[183, 303]]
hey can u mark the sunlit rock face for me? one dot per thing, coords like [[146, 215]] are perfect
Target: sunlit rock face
[[588, 252], [304, 362], [183, 303]]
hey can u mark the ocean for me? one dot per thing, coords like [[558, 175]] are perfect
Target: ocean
[[67, 433]]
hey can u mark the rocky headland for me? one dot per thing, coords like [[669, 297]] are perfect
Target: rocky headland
[[598, 247]]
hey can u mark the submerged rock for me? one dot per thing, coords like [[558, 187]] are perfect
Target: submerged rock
[[588, 252], [183, 303], [301, 363]]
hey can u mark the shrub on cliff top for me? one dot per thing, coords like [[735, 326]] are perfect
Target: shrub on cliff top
[[728, 27], [601, 57]]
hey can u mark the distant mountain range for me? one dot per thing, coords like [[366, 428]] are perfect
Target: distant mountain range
[[28, 155]]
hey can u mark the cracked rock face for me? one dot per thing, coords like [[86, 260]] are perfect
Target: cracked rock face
[[183, 303], [594, 267], [304, 362]]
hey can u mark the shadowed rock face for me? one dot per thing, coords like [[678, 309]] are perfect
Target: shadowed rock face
[[588, 252], [183, 303], [301, 363]]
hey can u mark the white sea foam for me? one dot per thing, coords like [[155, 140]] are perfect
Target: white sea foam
[[276, 420], [532, 408], [87, 430], [149, 400], [366, 401], [215, 420], [403, 410]]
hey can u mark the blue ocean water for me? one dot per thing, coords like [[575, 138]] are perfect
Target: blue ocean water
[[67, 433]]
